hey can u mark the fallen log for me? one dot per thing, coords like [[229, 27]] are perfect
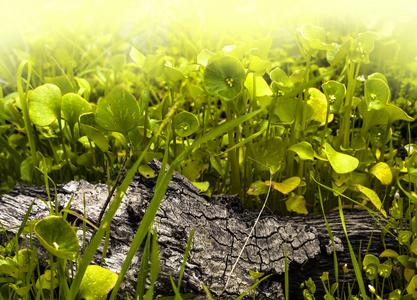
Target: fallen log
[[221, 227]]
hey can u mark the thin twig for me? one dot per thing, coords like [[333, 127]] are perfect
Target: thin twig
[[247, 239], [116, 184]]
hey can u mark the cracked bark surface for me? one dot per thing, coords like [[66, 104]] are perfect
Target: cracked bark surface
[[221, 227]]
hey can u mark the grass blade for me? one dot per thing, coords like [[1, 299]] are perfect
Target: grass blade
[[187, 252], [143, 271], [355, 264]]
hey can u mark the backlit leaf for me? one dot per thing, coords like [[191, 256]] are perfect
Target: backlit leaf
[[316, 37], [118, 111], [45, 104], [137, 57], [186, 124], [395, 113], [339, 53], [58, 237], [377, 94], [223, 78], [72, 107], [335, 92], [258, 66], [286, 186], [383, 172], [97, 283], [318, 111], [281, 80], [340, 162], [304, 150], [373, 197], [262, 88]]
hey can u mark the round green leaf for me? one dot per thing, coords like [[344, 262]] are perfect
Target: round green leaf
[[45, 104], [186, 124], [118, 111], [370, 259], [223, 78], [304, 150], [269, 153], [58, 237], [72, 107], [97, 283], [340, 162], [377, 94], [335, 93], [383, 172]]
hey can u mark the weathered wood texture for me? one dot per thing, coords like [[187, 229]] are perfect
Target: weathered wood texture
[[221, 224]]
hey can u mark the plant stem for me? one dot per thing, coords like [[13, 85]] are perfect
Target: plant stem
[[232, 156], [25, 110]]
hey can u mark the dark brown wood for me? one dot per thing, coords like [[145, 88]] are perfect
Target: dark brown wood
[[221, 227]]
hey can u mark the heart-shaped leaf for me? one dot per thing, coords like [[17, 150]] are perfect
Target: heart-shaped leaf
[[72, 107], [286, 186], [186, 124], [45, 104], [340, 162], [58, 237], [118, 111], [97, 283], [377, 94], [223, 78]]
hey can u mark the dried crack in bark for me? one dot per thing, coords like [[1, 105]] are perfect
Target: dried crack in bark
[[222, 225]]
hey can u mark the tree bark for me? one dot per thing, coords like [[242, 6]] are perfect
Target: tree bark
[[221, 227]]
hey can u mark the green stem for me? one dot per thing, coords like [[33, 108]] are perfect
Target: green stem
[[352, 75], [25, 110], [232, 156]]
